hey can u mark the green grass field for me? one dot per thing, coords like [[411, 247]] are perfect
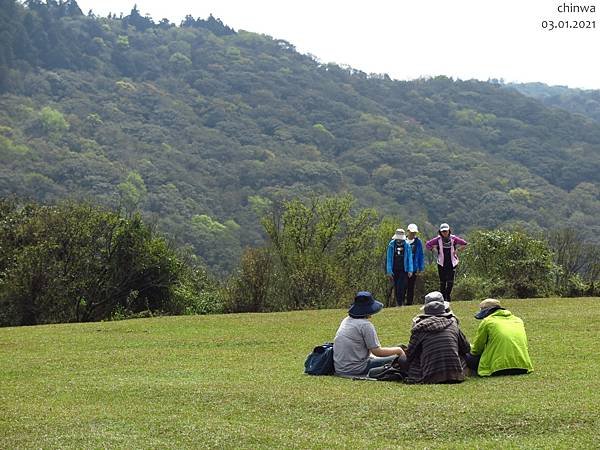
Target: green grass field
[[236, 381]]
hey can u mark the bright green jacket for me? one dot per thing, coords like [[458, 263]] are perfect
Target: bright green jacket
[[502, 343]]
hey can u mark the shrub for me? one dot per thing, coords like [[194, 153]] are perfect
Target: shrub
[[576, 286], [205, 302], [470, 288], [512, 263], [197, 293], [431, 280], [74, 262], [248, 288]]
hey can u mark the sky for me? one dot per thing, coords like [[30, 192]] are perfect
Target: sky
[[408, 39]]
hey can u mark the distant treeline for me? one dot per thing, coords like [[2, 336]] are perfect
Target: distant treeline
[[76, 262], [580, 101]]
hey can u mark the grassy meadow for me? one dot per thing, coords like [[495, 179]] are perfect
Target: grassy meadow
[[236, 381]]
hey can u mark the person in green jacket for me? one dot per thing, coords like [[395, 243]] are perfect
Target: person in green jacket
[[500, 344]]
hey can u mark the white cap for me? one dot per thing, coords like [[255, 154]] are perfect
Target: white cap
[[412, 228], [444, 227]]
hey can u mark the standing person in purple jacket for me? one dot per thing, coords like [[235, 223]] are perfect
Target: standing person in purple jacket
[[447, 246]]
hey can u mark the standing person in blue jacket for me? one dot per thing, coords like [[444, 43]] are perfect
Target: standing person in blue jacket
[[399, 264], [418, 261]]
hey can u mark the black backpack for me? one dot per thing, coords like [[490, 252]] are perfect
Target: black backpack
[[320, 360]]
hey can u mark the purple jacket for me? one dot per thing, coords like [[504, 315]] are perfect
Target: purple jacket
[[438, 241]]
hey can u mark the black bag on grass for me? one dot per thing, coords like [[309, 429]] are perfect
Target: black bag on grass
[[320, 360], [394, 371]]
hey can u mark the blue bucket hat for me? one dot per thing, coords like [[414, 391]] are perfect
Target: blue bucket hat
[[364, 305]]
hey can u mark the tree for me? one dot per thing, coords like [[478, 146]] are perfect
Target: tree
[[132, 192], [321, 250], [577, 259], [136, 20], [249, 287], [53, 123], [179, 63]]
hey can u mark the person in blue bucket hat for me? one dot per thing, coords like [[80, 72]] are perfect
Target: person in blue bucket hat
[[356, 347]]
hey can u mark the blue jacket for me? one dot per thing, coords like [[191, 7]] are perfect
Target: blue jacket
[[418, 256], [408, 258]]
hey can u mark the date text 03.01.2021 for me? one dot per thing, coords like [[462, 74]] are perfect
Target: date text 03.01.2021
[[568, 24]]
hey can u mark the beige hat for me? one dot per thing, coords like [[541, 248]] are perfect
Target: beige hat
[[487, 307], [489, 303]]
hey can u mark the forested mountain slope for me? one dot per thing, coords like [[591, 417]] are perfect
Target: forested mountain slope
[[201, 127]]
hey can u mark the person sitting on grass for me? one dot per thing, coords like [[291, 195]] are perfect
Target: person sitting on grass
[[356, 347], [434, 296], [500, 344], [437, 348]]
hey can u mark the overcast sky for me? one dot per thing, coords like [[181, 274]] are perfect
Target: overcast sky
[[407, 39]]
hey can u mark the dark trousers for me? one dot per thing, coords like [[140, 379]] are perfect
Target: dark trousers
[[410, 289], [473, 364], [446, 274], [400, 283]]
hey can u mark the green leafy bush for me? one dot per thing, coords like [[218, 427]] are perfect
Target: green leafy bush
[[470, 288], [512, 263], [74, 262], [431, 281], [248, 289]]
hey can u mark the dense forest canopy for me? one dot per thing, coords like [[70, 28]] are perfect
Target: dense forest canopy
[[203, 128]]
